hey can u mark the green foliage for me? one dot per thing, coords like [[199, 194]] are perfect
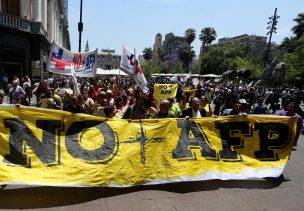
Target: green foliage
[[207, 36], [298, 29], [185, 55], [147, 53], [178, 69], [230, 56], [190, 35], [295, 63]]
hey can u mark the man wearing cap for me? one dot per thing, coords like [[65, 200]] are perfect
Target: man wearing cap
[[110, 98], [240, 107]]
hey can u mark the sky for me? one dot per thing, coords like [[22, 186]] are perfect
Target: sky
[[110, 24]]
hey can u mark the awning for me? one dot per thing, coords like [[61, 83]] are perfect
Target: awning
[[100, 71]]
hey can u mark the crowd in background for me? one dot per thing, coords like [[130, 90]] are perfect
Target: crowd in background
[[118, 97]]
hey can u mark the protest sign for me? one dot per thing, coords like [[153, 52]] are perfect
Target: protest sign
[[50, 147]]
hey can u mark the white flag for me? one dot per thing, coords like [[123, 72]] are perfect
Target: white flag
[[183, 79], [195, 81], [139, 76], [174, 78], [249, 85], [74, 81], [129, 63]]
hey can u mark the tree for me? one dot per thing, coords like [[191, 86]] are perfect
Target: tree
[[207, 35], [171, 60], [147, 54], [230, 56], [295, 64], [298, 29], [288, 45], [190, 35], [292, 50], [186, 54]]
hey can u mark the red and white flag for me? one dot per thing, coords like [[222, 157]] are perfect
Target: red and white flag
[[130, 64], [74, 81], [60, 61]]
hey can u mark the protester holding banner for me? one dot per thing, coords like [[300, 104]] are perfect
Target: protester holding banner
[[1, 97], [291, 111], [137, 110], [74, 105], [205, 105], [164, 111], [174, 108], [150, 110], [195, 111], [184, 101], [47, 100]]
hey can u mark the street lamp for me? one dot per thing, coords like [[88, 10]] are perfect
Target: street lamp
[[272, 28], [80, 27]]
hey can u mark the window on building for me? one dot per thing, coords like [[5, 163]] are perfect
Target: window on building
[[11, 7]]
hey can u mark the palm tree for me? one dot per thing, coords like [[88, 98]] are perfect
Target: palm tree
[[190, 37], [298, 29], [147, 54], [288, 44], [185, 55], [207, 35]]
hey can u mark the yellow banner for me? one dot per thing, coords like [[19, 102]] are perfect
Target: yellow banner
[[191, 91], [163, 91], [49, 147]]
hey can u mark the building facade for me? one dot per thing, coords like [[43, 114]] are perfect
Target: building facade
[[157, 49], [108, 59], [27, 28], [256, 44], [171, 41]]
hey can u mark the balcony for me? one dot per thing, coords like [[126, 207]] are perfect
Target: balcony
[[15, 22], [21, 24]]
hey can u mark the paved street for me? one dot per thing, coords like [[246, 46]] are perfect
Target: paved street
[[286, 193]]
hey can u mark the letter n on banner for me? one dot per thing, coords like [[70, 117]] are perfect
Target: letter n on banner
[[45, 150]]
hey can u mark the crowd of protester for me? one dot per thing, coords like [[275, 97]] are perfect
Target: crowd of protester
[[117, 97]]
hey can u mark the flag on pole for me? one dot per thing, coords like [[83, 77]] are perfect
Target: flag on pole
[[174, 78], [74, 81], [127, 61], [195, 81], [139, 76], [130, 64]]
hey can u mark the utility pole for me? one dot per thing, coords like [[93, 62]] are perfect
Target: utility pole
[[272, 28], [80, 27]]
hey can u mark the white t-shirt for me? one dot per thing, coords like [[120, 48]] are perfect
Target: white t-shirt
[[90, 101], [196, 114]]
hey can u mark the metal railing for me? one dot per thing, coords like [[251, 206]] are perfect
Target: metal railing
[[14, 22]]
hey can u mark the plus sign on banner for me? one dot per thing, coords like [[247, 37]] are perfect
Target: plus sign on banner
[[61, 59]]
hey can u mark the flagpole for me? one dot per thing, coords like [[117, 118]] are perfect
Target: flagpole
[[135, 65]]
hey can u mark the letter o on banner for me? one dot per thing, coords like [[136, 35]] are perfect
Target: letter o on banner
[[103, 154]]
